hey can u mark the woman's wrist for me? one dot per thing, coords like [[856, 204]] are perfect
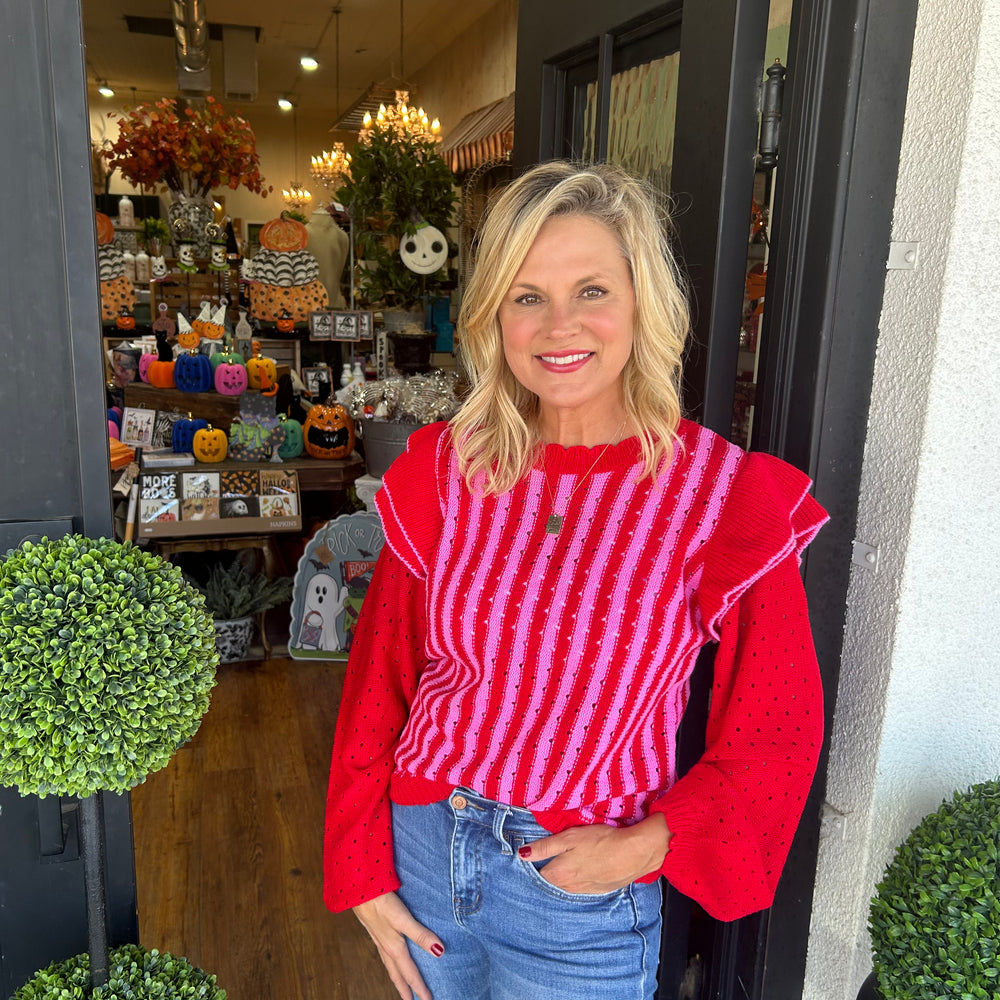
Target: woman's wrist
[[654, 836]]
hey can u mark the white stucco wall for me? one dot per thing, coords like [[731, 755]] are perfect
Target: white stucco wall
[[918, 712]]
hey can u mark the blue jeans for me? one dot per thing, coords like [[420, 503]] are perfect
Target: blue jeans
[[508, 933]]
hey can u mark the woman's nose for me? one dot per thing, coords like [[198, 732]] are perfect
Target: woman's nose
[[563, 318]]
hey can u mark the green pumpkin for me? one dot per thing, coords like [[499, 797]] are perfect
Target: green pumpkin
[[229, 356], [294, 442]]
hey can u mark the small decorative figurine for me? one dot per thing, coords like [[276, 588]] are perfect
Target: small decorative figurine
[[163, 323], [217, 259]]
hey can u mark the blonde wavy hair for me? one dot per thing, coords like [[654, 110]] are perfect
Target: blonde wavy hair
[[495, 432]]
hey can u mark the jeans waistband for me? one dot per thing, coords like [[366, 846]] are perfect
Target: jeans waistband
[[468, 806]]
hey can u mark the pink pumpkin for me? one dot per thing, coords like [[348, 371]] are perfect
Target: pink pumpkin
[[230, 380], [113, 430], [145, 361]]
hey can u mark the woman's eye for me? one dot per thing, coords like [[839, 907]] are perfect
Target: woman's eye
[[594, 292], [528, 299]]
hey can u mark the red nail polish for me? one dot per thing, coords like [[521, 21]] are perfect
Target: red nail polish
[[437, 950], [524, 852]]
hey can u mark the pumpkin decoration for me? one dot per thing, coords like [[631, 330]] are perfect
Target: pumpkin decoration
[[182, 435], [285, 323], [125, 320], [283, 234], [193, 372], [105, 229], [328, 431], [210, 444], [230, 377], [285, 276], [227, 355], [260, 369], [293, 445], [187, 336], [145, 360], [113, 433], [204, 318], [161, 374], [215, 328]]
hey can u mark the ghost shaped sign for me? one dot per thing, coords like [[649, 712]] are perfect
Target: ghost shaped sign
[[425, 251]]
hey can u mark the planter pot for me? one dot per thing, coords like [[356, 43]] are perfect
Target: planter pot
[[869, 989], [384, 443], [411, 355], [232, 638]]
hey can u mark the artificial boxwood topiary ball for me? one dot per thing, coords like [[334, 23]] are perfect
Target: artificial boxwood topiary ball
[[935, 923], [133, 974], [107, 659]]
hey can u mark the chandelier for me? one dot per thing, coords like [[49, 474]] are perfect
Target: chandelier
[[296, 196], [332, 167], [402, 121]]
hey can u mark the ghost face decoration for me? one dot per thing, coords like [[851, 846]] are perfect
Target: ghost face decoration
[[158, 266], [425, 251]]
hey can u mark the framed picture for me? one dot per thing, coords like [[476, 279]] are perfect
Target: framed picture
[[365, 325], [137, 427], [321, 325], [318, 381], [345, 325]]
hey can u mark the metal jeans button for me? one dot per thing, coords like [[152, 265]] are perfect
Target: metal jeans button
[[459, 801]]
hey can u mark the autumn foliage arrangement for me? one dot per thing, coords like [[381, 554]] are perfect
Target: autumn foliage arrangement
[[191, 149]]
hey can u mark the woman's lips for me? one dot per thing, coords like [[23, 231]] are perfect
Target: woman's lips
[[568, 361]]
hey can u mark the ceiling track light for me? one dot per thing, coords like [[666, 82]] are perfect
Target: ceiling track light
[[285, 104], [308, 63], [104, 90]]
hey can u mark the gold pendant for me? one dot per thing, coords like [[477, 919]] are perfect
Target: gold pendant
[[554, 524]]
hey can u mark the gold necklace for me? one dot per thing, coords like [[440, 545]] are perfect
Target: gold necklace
[[554, 522]]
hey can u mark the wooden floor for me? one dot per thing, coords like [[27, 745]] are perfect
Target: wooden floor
[[228, 841]]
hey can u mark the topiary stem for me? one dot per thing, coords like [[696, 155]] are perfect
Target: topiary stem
[[92, 851]]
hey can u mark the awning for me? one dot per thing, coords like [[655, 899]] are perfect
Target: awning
[[482, 135]]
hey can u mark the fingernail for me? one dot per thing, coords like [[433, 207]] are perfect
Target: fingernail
[[524, 852], [437, 949]]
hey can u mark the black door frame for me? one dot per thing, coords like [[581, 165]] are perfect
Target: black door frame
[[848, 73]]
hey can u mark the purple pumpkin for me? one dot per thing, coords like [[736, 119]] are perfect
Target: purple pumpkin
[[230, 379]]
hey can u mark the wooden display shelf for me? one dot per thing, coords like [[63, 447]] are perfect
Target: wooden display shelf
[[314, 474], [218, 409]]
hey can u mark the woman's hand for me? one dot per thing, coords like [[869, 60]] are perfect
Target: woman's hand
[[599, 858], [389, 923]]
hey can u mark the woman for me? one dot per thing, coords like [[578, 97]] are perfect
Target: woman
[[503, 794]]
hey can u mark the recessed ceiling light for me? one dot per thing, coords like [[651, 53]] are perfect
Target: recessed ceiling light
[[105, 91], [285, 104], [308, 63]]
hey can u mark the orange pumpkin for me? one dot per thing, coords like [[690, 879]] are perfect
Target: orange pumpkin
[[285, 323], [105, 229], [328, 431], [261, 372], [161, 374], [188, 338], [283, 234], [210, 444], [125, 320]]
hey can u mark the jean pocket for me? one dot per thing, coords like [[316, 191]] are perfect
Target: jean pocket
[[535, 872]]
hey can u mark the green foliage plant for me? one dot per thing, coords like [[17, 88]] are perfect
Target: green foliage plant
[[235, 591], [155, 232], [935, 921], [107, 659], [134, 974], [396, 179]]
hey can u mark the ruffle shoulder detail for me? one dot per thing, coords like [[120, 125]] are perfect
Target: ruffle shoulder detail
[[409, 502], [768, 515]]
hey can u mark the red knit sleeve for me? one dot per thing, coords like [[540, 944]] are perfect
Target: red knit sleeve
[[383, 669], [768, 515], [734, 813], [409, 502]]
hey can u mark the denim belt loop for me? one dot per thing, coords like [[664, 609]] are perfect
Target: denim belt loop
[[500, 815]]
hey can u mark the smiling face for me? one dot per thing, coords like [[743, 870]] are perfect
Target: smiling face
[[567, 323]]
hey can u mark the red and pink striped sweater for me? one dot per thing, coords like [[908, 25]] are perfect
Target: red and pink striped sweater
[[551, 671]]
